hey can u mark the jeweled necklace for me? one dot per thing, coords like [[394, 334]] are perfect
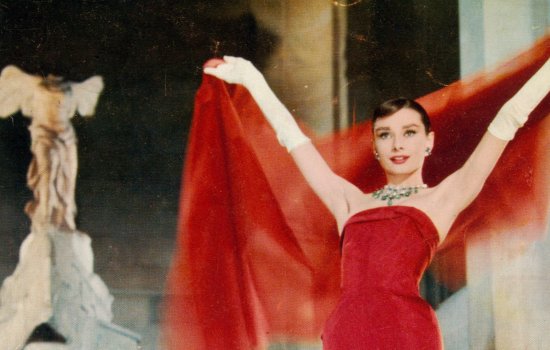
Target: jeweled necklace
[[389, 193]]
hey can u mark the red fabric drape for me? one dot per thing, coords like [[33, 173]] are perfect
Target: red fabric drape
[[257, 254]]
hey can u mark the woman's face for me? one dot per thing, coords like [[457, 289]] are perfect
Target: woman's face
[[401, 142]]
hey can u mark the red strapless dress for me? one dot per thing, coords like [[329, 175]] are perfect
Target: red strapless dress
[[384, 254]]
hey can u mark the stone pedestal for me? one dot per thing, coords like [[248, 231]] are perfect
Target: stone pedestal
[[54, 283], [25, 297]]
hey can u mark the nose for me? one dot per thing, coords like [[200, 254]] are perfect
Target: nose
[[397, 144]]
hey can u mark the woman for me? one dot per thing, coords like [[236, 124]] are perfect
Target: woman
[[388, 237]]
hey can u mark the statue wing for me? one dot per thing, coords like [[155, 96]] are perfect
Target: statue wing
[[16, 91], [86, 95]]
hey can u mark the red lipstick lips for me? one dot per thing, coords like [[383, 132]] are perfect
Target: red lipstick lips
[[399, 159]]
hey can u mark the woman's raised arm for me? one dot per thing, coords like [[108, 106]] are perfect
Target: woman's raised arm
[[331, 189], [461, 188]]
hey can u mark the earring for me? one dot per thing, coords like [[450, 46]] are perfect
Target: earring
[[428, 151], [376, 155]]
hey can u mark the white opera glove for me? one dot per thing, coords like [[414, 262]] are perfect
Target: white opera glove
[[515, 111], [237, 70]]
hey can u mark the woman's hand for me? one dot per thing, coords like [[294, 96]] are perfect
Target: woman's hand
[[236, 70], [515, 111]]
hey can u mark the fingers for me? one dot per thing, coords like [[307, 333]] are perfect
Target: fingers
[[213, 62], [230, 59], [227, 60], [220, 71], [225, 72], [210, 70], [234, 70], [235, 60]]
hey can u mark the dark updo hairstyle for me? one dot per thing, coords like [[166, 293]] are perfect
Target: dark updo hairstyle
[[385, 109]]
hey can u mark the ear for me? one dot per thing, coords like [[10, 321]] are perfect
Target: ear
[[431, 140], [374, 150], [86, 94], [16, 91]]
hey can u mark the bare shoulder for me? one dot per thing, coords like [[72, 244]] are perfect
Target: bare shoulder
[[431, 201], [437, 205], [356, 201], [352, 197]]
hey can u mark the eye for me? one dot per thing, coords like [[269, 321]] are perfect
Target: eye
[[410, 132], [383, 135]]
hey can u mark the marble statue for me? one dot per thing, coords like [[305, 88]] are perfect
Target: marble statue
[[54, 284], [50, 102]]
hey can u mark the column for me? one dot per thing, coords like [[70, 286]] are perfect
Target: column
[[493, 30], [506, 279], [307, 68]]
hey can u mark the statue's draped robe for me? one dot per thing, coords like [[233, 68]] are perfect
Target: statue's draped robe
[[257, 256], [52, 175], [50, 103]]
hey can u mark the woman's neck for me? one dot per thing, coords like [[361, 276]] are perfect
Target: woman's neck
[[404, 180]]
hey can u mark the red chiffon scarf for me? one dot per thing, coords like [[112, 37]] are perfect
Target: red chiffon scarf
[[257, 256]]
